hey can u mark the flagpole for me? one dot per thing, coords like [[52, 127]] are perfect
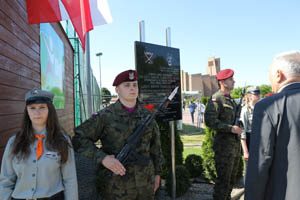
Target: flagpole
[[88, 68], [142, 31], [172, 129]]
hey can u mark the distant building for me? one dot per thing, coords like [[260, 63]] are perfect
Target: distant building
[[205, 84]]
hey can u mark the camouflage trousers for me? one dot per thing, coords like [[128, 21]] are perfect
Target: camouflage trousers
[[137, 184], [227, 149]]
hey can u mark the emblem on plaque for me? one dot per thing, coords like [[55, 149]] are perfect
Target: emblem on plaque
[[169, 59], [148, 56], [131, 75]]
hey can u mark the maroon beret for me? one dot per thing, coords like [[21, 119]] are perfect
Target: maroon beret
[[225, 74], [128, 75]]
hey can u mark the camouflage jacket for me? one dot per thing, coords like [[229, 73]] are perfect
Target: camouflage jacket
[[112, 126], [220, 112]]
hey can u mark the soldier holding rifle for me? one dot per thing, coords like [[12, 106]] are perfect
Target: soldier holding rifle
[[220, 115], [113, 125]]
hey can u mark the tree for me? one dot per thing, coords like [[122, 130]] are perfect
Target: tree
[[265, 89], [106, 95], [237, 92], [204, 100]]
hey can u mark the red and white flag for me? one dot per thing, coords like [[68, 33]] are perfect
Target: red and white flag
[[84, 14]]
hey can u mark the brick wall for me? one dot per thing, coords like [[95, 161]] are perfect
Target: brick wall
[[20, 68]]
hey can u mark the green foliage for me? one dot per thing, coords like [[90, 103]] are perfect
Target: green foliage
[[208, 162], [207, 154], [193, 163], [190, 150], [265, 89], [165, 138], [236, 92], [106, 95], [183, 182], [204, 100]]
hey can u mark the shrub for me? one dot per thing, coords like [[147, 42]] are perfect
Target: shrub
[[193, 164], [183, 182], [208, 162], [165, 138], [204, 100], [207, 154]]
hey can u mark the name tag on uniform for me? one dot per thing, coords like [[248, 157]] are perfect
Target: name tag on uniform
[[53, 155]]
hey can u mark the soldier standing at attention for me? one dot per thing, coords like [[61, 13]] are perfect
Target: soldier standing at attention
[[113, 125], [220, 115]]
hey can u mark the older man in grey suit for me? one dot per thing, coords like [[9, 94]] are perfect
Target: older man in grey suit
[[273, 171]]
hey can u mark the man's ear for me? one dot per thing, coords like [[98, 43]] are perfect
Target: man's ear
[[279, 76], [117, 89], [221, 82]]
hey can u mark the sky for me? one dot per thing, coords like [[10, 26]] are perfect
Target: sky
[[244, 34]]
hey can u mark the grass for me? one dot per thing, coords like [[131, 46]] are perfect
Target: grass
[[192, 137], [191, 150], [191, 130]]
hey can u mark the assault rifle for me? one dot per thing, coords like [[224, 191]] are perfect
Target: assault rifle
[[128, 150], [238, 110]]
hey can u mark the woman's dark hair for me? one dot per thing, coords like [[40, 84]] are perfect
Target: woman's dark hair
[[56, 141]]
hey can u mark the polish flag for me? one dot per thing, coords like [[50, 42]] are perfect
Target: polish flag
[[84, 14]]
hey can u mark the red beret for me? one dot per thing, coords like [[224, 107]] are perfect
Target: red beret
[[225, 74], [129, 75]]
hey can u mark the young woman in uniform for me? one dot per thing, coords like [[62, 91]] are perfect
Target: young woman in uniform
[[38, 162]]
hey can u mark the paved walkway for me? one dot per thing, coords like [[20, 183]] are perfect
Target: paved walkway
[[187, 119]]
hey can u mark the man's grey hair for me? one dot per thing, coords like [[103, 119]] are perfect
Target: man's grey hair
[[288, 63]]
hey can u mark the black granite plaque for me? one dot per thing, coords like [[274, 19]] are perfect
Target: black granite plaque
[[158, 69]]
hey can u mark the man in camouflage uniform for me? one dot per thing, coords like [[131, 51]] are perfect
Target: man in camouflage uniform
[[220, 115], [113, 125]]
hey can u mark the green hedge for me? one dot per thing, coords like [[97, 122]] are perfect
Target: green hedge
[[183, 182], [165, 138], [207, 155], [193, 163]]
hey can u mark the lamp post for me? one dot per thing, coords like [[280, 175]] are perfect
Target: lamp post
[[99, 55]]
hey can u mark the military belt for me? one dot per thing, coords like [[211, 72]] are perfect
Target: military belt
[[58, 196]]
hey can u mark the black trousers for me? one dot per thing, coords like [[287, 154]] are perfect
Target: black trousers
[[248, 140], [58, 196], [246, 161]]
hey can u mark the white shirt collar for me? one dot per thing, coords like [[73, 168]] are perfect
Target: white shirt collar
[[286, 86]]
